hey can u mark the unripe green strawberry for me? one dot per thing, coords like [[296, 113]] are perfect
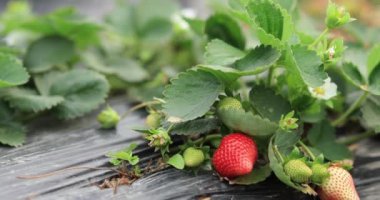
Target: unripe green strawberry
[[153, 120], [108, 118], [320, 173], [193, 157], [229, 103], [298, 171], [339, 186]]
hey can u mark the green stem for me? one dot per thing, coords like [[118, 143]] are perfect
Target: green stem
[[342, 119], [270, 76], [207, 138], [356, 138], [312, 156], [278, 153], [138, 106], [319, 38]]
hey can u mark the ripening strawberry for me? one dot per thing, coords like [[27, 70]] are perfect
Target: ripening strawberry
[[236, 155], [339, 186]]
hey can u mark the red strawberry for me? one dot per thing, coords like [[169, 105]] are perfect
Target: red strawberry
[[236, 155], [339, 186]]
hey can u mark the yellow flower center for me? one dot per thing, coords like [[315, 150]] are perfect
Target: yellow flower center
[[319, 91]]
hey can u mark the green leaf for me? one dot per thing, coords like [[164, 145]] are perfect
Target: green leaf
[[268, 104], [276, 164], [247, 122], [67, 23], [258, 59], [43, 81], [226, 75], [5, 111], [223, 27], [373, 58], [285, 140], [352, 74], [121, 18], [374, 80], [274, 23], [29, 101], [371, 113], [47, 52], [177, 161], [128, 70], [259, 174], [85, 91], [197, 25], [221, 53], [156, 31], [322, 137], [12, 71], [12, 133], [195, 127], [125, 69], [147, 10], [306, 65], [191, 94]]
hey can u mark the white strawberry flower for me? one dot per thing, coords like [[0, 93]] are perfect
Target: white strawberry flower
[[325, 91]]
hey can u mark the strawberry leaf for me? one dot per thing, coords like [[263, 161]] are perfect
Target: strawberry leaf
[[43, 81], [322, 137], [247, 122], [374, 80], [47, 52], [373, 58], [127, 70], [259, 174], [12, 71], [177, 161], [85, 91], [223, 27], [195, 127], [371, 113], [268, 104], [221, 53], [273, 22], [226, 75], [353, 75], [191, 94], [12, 133], [29, 101], [306, 66], [258, 59]]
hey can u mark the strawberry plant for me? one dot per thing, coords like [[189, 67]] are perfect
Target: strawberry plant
[[272, 96], [66, 65]]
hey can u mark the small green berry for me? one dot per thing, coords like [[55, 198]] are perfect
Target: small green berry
[[153, 120], [230, 103], [108, 118], [298, 171], [193, 157]]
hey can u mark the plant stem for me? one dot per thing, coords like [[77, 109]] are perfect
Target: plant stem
[[356, 138], [341, 119], [207, 138], [270, 76], [312, 156], [319, 38], [138, 106]]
